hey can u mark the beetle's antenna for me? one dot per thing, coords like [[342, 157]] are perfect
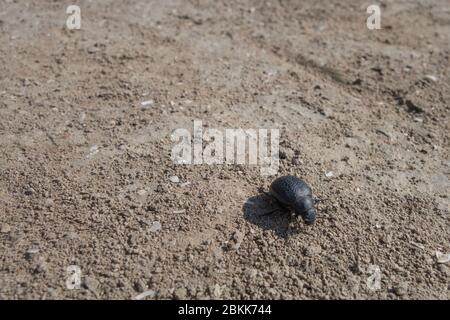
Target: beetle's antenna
[[267, 194]]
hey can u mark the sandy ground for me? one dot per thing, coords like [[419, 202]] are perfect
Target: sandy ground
[[85, 167]]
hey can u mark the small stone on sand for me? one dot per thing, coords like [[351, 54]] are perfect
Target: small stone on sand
[[156, 226], [431, 78], [442, 257], [142, 192], [145, 294], [5, 228], [147, 103]]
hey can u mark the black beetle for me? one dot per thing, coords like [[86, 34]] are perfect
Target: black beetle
[[294, 194]]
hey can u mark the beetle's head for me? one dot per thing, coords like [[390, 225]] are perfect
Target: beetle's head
[[309, 216], [304, 207]]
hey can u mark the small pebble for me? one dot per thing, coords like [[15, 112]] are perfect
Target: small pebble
[[146, 103], [431, 78], [140, 285], [71, 235], [251, 273], [91, 284], [312, 250], [418, 245], [6, 228], [49, 202], [149, 293], [442, 257], [92, 151], [31, 252], [142, 192], [156, 226], [217, 291], [92, 49], [160, 188], [444, 269], [174, 179], [329, 174], [401, 289], [29, 191], [41, 267], [407, 68], [180, 293]]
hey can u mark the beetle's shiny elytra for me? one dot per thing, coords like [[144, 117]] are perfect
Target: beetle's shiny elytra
[[294, 194]]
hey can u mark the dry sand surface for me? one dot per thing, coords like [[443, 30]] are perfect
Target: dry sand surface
[[86, 176]]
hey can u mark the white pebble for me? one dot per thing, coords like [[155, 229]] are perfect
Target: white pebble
[[174, 179], [431, 78], [442, 257], [329, 174], [92, 151], [5, 228], [142, 192], [218, 290], [156, 226], [147, 103], [418, 245], [145, 294]]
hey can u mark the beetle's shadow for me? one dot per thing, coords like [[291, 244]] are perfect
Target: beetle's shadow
[[255, 209]]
